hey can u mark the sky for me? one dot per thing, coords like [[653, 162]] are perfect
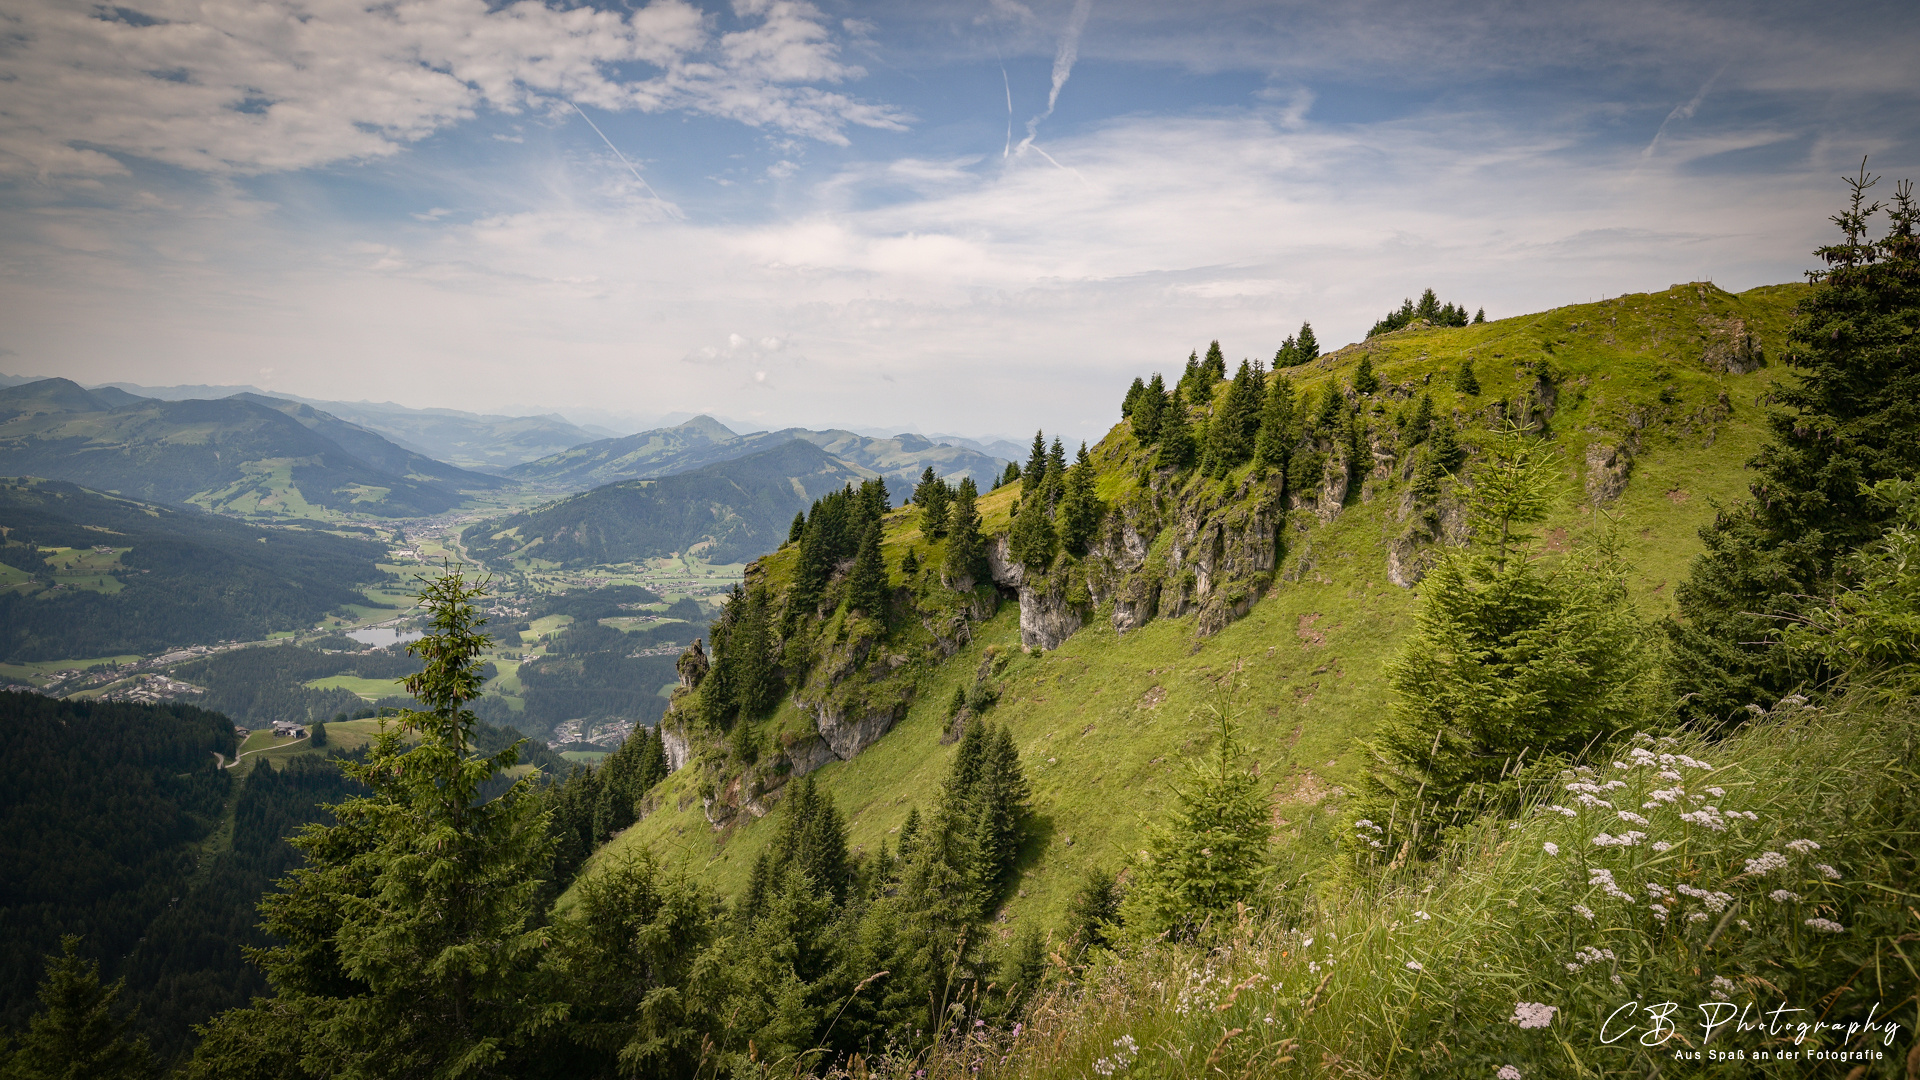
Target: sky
[[970, 216]]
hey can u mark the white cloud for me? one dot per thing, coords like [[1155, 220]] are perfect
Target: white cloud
[[251, 86]]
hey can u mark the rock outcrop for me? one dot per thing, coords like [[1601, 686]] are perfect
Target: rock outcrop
[[1733, 349], [847, 730], [1608, 465]]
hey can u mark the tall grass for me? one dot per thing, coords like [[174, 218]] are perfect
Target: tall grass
[[1505, 958]]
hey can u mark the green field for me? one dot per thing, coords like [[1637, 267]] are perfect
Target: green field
[[370, 689]]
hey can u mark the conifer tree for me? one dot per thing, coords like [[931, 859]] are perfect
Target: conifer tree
[[966, 550], [1445, 451], [798, 528], [1035, 473], [1032, 540], [1480, 315], [1846, 423], [1213, 368], [1277, 435], [1333, 409], [408, 942], [1364, 380], [1428, 308], [1287, 355], [867, 583], [1012, 475], [76, 1034], [317, 735], [1148, 411], [1080, 509], [1132, 398], [1464, 380], [1214, 851], [1510, 658], [1190, 377], [1420, 424], [1177, 447], [933, 496], [1307, 349], [910, 564]]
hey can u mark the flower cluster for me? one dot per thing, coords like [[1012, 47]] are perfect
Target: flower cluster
[[1533, 1014], [1625, 839], [1124, 1051], [1767, 863], [1715, 901], [1827, 925], [1589, 955]]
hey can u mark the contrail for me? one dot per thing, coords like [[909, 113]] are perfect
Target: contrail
[[1062, 65], [616, 151], [1683, 112], [1009, 86]]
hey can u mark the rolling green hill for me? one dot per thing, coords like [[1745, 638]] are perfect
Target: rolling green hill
[[704, 441], [88, 574], [1279, 600], [730, 511], [243, 455]]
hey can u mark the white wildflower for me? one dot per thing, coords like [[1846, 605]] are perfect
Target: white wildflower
[[1550, 848], [1625, 839], [1662, 845], [1656, 890], [1802, 847], [1507, 1072], [1632, 818], [1533, 1014], [1613, 784], [1423, 916], [1563, 811], [1724, 985], [1745, 925], [1827, 925], [1717, 792], [1767, 863], [1782, 896], [1583, 911], [1827, 870], [1664, 795], [1714, 901], [1669, 774], [1621, 765], [1592, 802], [1658, 912], [1363, 823], [1696, 916], [1617, 980], [1414, 965], [1706, 816]]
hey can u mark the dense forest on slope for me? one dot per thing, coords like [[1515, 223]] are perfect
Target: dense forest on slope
[[172, 576], [234, 454], [732, 511], [100, 819], [258, 686]]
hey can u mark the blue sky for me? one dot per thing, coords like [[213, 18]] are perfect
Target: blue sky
[[979, 217]]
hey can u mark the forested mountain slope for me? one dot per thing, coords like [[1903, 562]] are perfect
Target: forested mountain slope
[[1273, 586], [89, 574], [704, 441], [234, 455], [733, 511]]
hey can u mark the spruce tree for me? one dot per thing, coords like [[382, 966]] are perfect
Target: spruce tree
[[1214, 367], [910, 564], [1327, 420], [933, 496], [1213, 853], [1480, 315], [1464, 381], [1844, 423], [317, 735], [1032, 540], [1428, 308], [1148, 411], [1012, 475], [1445, 451], [1511, 659], [1132, 398], [966, 562], [867, 583], [1080, 509], [1177, 449], [1287, 355], [1035, 473], [1190, 377], [799, 527], [408, 941], [1277, 435], [1364, 380], [1420, 424], [1307, 348], [76, 1034]]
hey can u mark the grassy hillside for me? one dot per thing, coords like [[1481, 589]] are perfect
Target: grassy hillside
[[1655, 381]]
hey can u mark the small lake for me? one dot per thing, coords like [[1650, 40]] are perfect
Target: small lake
[[382, 636]]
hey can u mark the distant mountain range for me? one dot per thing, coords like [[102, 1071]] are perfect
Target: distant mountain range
[[704, 441], [468, 440], [248, 454], [730, 510], [89, 574]]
